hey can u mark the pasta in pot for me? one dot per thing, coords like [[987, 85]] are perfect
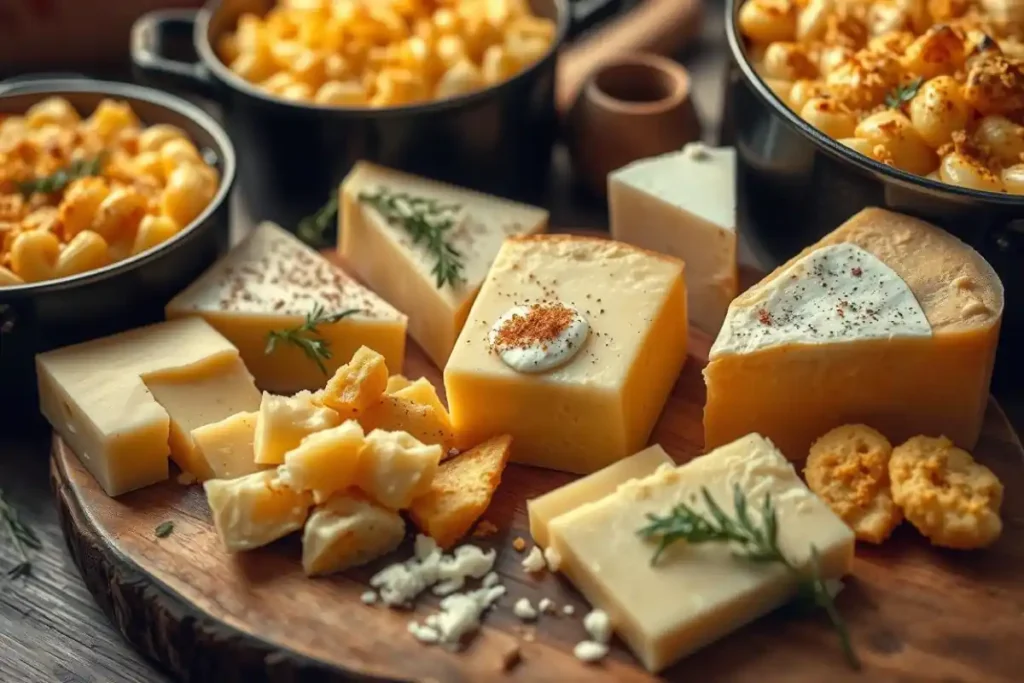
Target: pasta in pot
[[932, 87]]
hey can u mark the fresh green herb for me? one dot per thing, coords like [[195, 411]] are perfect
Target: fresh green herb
[[307, 337], [61, 178], [750, 542], [902, 94], [427, 221], [164, 529], [22, 536], [313, 229]]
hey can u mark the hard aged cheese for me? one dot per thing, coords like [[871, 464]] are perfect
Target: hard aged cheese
[[384, 254], [284, 421], [590, 488], [270, 282], [96, 397], [698, 593], [226, 447], [684, 204], [601, 404], [255, 510], [888, 321], [348, 531]]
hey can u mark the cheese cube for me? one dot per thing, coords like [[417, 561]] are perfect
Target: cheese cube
[[386, 257], [684, 204], [325, 462], [887, 321], [96, 397], [347, 532], [357, 384], [255, 510], [226, 447], [592, 487], [284, 421], [600, 405], [712, 591], [395, 468], [270, 282]]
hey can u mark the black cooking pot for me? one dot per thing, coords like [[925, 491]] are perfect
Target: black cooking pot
[[795, 184], [42, 316], [497, 140]]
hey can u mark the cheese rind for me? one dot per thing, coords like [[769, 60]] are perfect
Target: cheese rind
[[255, 510], [348, 531], [226, 447], [903, 381], [386, 258], [270, 282], [713, 591], [592, 487]]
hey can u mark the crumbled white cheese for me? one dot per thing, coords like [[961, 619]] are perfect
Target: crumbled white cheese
[[588, 651], [368, 598], [598, 625], [552, 558], [524, 610], [545, 605], [534, 561], [186, 478], [568, 610], [423, 634], [459, 616], [491, 579], [400, 583]]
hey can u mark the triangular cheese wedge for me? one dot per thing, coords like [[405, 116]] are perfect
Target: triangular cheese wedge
[[887, 321]]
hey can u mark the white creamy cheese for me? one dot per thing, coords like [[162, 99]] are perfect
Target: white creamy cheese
[[834, 294], [524, 352], [400, 583], [368, 598], [598, 625], [524, 610], [568, 610], [534, 561], [545, 605], [589, 651], [552, 558]]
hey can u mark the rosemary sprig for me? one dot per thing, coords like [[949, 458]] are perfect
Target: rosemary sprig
[[902, 94], [307, 337], [313, 229], [61, 178], [427, 221], [164, 529], [22, 536], [750, 542]]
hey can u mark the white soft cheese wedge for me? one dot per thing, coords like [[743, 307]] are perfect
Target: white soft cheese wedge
[[684, 204], [712, 591], [887, 321]]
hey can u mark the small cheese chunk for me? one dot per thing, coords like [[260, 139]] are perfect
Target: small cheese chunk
[[96, 397], [255, 510], [602, 404], [395, 468], [284, 421], [271, 281], [227, 446], [384, 255], [398, 413], [713, 591], [357, 384], [590, 488], [397, 383], [684, 204], [348, 531], [325, 462]]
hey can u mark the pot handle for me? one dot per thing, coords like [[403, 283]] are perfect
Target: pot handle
[[151, 34]]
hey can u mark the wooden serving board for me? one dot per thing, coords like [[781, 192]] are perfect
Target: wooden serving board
[[915, 613]]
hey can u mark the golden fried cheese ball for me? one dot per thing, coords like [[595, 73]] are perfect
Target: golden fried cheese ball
[[951, 499], [848, 468]]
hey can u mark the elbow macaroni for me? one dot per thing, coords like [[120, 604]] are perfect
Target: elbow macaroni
[[935, 88], [152, 182]]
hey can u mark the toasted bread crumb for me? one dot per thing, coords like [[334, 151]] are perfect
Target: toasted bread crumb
[[484, 528], [519, 544]]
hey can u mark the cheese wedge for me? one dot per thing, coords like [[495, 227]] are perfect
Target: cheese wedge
[[386, 257], [271, 282], [124, 403], [888, 321], [684, 204], [695, 594], [601, 404]]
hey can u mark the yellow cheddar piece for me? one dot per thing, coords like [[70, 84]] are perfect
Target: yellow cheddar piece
[[255, 510], [696, 593], [601, 404], [284, 421], [226, 447], [595, 486], [383, 254], [395, 383], [357, 384], [96, 397], [888, 321], [325, 462], [271, 281], [348, 531], [395, 468]]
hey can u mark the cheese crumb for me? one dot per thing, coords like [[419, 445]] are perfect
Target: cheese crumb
[[459, 616], [491, 579], [534, 561], [424, 634], [598, 626], [568, 610], [524, 610], [588, 651], [545, 605], [186, 479], [519, 544], [552, 558], [400, 583], [368, 598]]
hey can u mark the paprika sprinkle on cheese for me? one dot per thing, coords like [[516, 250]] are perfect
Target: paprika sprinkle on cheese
[[538, 337]]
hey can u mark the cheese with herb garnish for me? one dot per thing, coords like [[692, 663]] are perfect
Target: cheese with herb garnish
[[271, 282], [425, 246], [887, 321], [713, 592]]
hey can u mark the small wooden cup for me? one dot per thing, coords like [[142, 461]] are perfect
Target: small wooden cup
[[632, 106]]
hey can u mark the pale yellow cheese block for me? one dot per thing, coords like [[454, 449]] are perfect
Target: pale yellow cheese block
[[601, 405], [905, 383], [226, 447], [96, 397], [385, 258], [695, 594], [255, 510], [270, 282], [590, 488], [348, 531]]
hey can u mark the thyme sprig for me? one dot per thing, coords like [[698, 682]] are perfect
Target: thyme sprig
[[427, 221], [62, 177], [750, 541], [307, 335], [164, 529], [22, 536], [313, 229], [903, 93]]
